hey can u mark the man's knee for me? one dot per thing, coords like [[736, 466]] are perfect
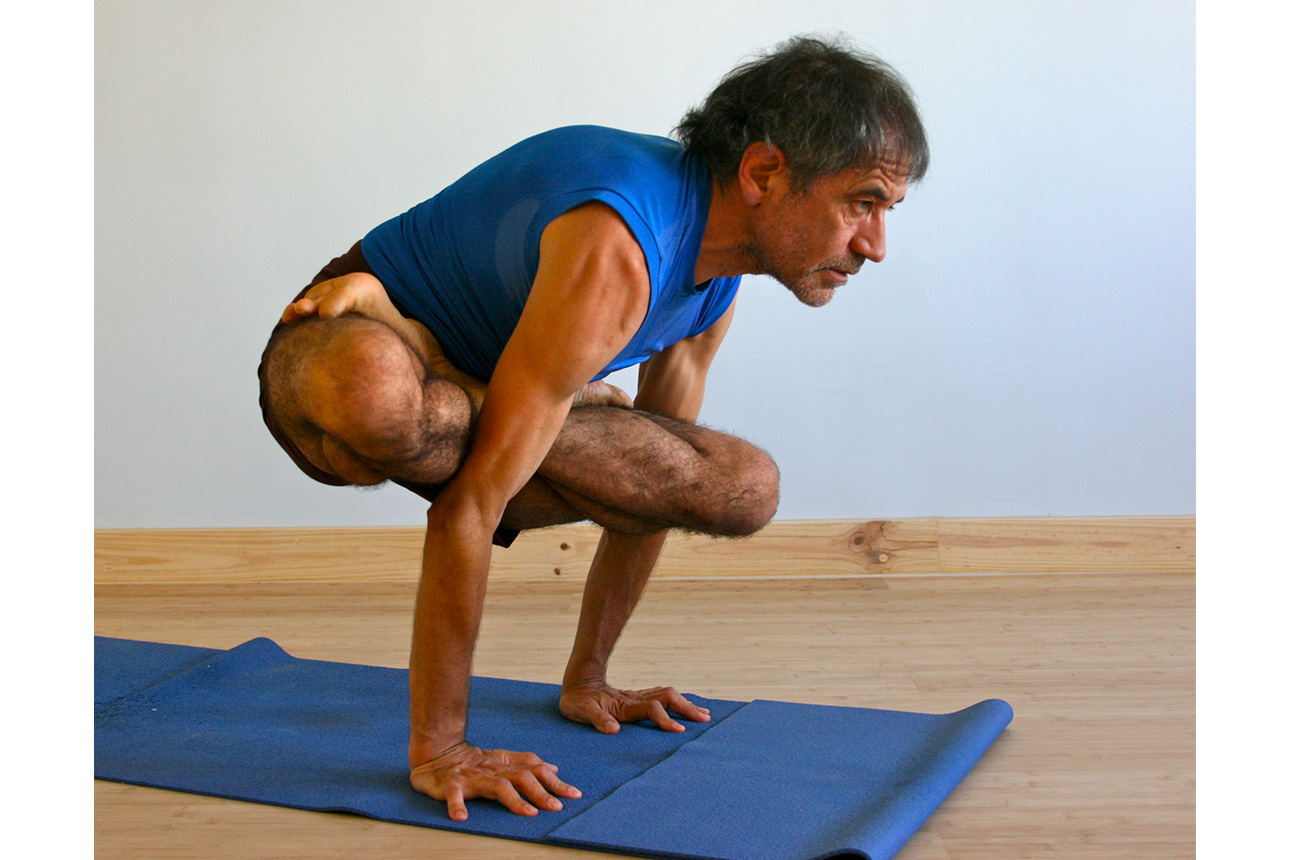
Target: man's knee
[[752, 491], [737, 491], [366, 389], [361, 401], [709, 482]]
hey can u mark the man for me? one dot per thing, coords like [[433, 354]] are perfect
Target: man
[[458, 351]]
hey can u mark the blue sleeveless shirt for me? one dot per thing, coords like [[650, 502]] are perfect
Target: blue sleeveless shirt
[[463, 262]]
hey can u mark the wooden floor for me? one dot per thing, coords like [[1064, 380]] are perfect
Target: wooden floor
[[1098, 763]]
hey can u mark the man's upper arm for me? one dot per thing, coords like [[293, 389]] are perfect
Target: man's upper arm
[[588, 300]]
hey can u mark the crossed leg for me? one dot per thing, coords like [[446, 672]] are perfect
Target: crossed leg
[[358, 403], [353, 402]]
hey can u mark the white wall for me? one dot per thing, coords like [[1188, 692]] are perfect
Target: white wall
[[1027, 348]]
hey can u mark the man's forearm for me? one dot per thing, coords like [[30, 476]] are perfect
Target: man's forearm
[[444, 629], [619, 571]]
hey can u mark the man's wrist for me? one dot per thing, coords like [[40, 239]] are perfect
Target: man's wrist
[[584, 675], [422, 751]]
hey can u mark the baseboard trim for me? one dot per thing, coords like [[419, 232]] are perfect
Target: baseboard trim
[[800, 548]]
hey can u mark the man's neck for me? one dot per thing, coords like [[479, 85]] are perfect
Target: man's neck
[[723, 252]]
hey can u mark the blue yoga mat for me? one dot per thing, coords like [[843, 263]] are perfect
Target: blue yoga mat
[[764, 780]]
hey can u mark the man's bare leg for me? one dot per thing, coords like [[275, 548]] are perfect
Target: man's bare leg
[[619, 572], [364, 407], [637, 472], [355, 401], [361, 405], [662, 473]]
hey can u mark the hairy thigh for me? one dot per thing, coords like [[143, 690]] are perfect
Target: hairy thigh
[[661, 472]]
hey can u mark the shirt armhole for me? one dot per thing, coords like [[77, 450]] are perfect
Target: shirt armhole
[[721, 292]]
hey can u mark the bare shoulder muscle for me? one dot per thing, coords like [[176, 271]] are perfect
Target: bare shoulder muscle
[[592, 283]]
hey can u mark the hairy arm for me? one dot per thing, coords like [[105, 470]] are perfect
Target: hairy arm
[[590, 296], [671, 383]]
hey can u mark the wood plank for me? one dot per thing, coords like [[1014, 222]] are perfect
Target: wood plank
[[1128, 544], [782, 549]]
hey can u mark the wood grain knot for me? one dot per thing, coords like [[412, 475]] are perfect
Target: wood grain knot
[[871, 542]]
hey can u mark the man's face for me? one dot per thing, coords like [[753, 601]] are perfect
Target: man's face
[[813, 239]]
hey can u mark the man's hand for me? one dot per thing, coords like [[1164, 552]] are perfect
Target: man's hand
[[605, 707], [464, 772]]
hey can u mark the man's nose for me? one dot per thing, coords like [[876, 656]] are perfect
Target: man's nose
[[870, 240]]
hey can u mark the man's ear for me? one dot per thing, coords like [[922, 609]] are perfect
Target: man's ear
[[762, 168]]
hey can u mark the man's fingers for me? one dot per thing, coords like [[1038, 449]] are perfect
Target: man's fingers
[[606, 709], [659, 715], [687, 709], [521, 782], [321, 303], [510, 798], [603, 722], [456, 803], [546, 774], [527, 782], [590, 711], [518, 759], [664, 699]]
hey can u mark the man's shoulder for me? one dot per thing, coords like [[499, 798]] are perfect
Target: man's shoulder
[[580, 160], [596, 148], [592, 135]]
